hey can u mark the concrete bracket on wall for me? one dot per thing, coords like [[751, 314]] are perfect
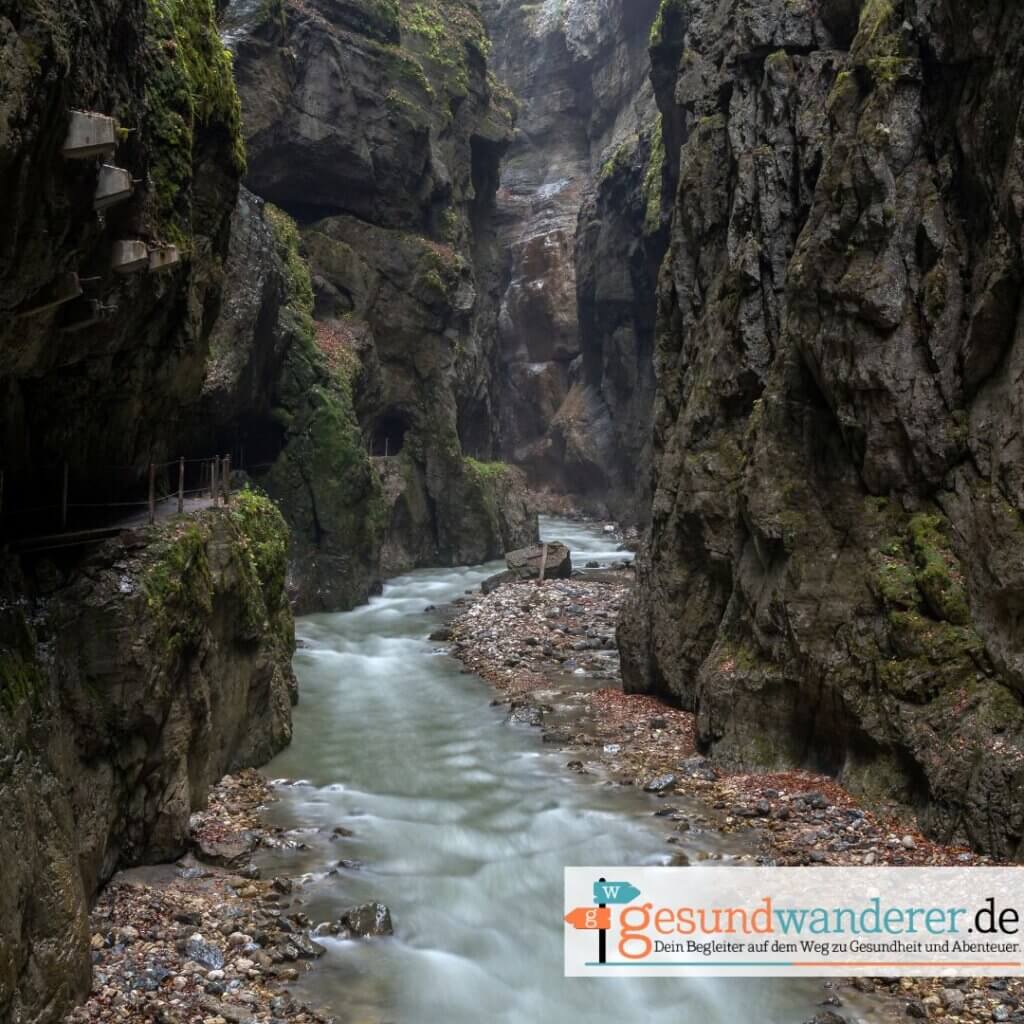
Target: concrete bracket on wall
[[163, 256], [89, 136], [129, 256], [113, 186]]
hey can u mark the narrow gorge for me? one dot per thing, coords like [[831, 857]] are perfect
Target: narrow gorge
[[306, 306]]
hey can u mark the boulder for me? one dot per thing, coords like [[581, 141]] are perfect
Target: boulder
[[232, 851], [368, 920], [492, 583], [525, 563], [204, 953], [661, 784]]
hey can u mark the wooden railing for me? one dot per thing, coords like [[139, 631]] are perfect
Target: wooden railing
[[40, 502]]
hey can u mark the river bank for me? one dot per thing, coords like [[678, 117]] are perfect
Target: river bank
[[548, 649], [202, 940]]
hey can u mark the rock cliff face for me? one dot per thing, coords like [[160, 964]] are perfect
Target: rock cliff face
[[121, 360], [378, 128], [125, 691], [281, 398], [581, 254], [220, 353], [834, 568]]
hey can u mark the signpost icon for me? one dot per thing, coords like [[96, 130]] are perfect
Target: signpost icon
[[599, 919]]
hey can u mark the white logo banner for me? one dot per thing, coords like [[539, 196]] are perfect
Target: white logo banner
[[794, 922]]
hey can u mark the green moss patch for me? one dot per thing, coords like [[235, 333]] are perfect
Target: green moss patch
[[177, 570], [22, 682], [938, 570], [653, 180], [450, 35], [878, 34], [667, 28], [263, 535], [918, 578], [487, 471], [189, 86]]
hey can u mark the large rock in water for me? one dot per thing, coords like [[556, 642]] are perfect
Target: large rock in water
[[835, 572], [368, 920], [526, 562]]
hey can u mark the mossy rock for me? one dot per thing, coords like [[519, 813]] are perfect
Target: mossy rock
[[939, 576], [190, 88], [22, 683]]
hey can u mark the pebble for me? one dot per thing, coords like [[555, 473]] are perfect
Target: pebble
[[953, 999], [660, 784]]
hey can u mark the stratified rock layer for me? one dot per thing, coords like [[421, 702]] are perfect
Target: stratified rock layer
[[834, 573]]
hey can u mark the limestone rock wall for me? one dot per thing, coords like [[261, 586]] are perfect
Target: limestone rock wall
[[833, 572], [125, 691], [279, 391], [120, 362], [378, 128], [579, 271]]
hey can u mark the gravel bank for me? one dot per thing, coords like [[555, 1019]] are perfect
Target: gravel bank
[[549, 650], [206, 940]]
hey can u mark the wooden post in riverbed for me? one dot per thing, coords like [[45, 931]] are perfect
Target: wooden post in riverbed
[[152, 493], [64, 500], [181, 484], [543, 563], [227, 478]]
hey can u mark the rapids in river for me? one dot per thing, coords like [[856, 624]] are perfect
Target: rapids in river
[[462, 825]]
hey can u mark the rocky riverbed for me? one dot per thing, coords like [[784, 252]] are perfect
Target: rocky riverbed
[[209, 941], [206, 939], [550, 651]]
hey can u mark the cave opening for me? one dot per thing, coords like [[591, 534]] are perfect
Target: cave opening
[[254, 441], [389, 434]]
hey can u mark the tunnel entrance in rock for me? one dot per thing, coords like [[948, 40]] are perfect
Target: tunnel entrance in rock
[[389, 434], [255, 443]]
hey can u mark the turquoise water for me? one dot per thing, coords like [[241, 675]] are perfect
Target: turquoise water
[[463, 824]]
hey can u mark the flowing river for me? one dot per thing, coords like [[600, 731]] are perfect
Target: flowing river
[[462, 825]]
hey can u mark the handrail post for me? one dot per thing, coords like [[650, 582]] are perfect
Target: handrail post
[[181, 484], [227, 478], [213, 479], [64, 500], [152, 493]]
